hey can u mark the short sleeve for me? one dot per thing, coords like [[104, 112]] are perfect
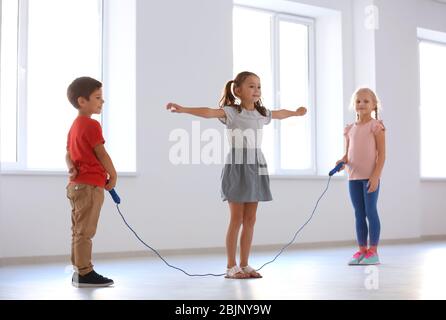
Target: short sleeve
[[94, 134], [268, 117], [347, 130], [377, 126], [230, 112]]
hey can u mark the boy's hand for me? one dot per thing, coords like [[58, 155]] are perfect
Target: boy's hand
[[111, 183], [176, 108], [301, 111], [373, 184], [73, 173]]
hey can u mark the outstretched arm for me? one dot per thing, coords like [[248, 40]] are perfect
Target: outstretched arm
[[199, 112], [283, 114]]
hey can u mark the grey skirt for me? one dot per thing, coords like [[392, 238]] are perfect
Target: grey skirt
[[245, 183]]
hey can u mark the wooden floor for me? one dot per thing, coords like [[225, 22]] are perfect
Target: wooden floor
[[408, 271]]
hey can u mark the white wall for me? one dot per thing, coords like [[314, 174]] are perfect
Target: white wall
[[418, 206], [184, 54], [364, 43], [397, 85]]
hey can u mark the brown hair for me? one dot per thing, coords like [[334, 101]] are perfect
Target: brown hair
[[229, 98], [82, 87], [374, 97]]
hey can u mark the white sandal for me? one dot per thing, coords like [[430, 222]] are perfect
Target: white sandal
[[251, 272], [235, 273]]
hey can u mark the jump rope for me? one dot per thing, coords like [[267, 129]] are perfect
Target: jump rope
[[117, 200]]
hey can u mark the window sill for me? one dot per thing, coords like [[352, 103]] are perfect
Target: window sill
[[433, 179], [305, 177], [52, 173]]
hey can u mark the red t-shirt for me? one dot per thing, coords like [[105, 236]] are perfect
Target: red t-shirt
[[84, 135]]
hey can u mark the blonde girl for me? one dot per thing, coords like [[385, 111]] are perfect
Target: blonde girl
[[365, 155]]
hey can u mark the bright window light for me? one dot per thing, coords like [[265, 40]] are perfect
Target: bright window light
[[432, 109], [295, 133], [60, 49], [276, 48], [8, 81], [45, 45], [252, 52]]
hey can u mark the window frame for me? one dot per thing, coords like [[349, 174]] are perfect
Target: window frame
[[309, 22], [421, 40], [20, 165]]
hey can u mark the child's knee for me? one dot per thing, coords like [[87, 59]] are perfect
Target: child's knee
[[249, 221]]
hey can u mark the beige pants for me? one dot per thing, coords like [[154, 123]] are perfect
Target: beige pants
[[86, 202]]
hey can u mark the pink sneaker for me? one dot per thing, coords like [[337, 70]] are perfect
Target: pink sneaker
[[357, 258], [370, 258]]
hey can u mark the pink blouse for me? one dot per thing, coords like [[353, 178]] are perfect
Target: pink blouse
[[362, 153]]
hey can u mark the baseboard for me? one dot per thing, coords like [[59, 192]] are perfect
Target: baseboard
[[207, 251], [439, 237]]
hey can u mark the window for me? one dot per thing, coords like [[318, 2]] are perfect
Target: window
[[279, 48], [432, 108], [45, 45], [8, 80]]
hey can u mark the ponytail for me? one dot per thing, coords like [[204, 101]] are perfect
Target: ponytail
[[228, 98], [260, 108], [376, 114]]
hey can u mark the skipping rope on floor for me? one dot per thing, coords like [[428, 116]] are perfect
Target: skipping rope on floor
[[117, 200]]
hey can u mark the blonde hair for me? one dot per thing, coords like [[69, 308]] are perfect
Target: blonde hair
[[374, 96]]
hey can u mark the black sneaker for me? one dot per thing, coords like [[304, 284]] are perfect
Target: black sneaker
[[91, 279]]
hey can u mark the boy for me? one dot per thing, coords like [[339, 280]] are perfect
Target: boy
[[91, 170]]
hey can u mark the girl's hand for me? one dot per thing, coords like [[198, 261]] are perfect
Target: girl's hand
[[342, 160], [345, 160], [372, 184], [73, 173], [301, 111], [176, 108]]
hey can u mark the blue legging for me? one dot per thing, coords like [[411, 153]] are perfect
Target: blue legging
[[365, 207]]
